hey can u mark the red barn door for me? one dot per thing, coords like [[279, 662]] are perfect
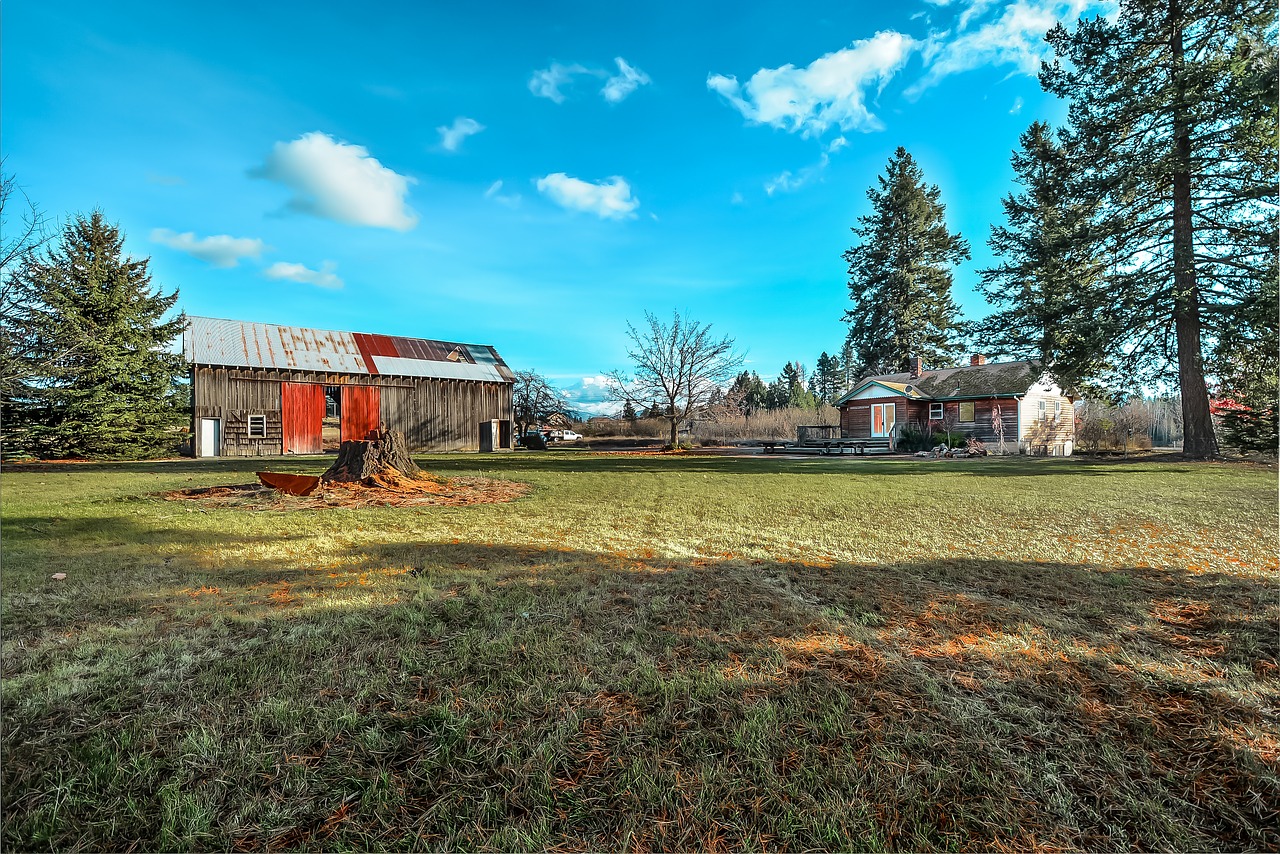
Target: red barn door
[[361, 411], [301, 416]]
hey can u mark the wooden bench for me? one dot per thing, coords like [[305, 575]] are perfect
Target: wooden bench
[[854, 446]]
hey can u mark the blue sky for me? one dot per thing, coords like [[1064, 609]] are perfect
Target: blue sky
[[530, 176]]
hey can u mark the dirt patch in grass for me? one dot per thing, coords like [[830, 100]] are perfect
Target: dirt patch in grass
[[398, 492]]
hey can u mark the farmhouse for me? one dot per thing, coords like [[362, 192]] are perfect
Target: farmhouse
[[259, 389], [1037, 418]]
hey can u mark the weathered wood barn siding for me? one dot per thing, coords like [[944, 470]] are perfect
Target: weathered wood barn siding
[[434, 414]]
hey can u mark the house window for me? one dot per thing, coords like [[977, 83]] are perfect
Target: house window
[[883, 417], [257, 426], [1043, 414], [935, 412], [966, 412]]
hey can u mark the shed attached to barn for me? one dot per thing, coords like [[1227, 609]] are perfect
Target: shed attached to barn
[[259, 389]]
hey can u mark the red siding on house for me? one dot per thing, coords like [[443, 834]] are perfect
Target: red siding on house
[[361, 411], [302, 415], [855, 416]]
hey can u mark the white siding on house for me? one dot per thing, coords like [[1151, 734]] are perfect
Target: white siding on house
[[1050, 431]]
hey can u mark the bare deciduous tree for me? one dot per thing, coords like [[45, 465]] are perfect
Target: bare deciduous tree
[[533, 400], [679, 364]]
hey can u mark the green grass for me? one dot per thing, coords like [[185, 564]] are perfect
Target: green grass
[[685, 652]]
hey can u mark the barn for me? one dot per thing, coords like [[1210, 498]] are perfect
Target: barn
[[259, 389]]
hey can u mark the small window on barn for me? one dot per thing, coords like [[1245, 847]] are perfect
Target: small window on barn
[[935, 412], [966, 412], [257, 426]]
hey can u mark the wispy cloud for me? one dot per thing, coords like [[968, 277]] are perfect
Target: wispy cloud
[[548, 82], [451, 136], [609, 199], [831, 90], [322, 278], [1013, 37], [627, 80], [1017, 106], [340, 181], [494, 192], [789, 182], [220, 250], [551, 82]]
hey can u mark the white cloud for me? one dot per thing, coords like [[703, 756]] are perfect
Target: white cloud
[[340, 181], [1014, 37], [322, 278], [547, 82], [737, 199], [627, 80], [588, 395], [495, 192], [1017, 106], [451, 136], [220, 250], [831, 90], [610, 199], [788, 182], [975, 9]]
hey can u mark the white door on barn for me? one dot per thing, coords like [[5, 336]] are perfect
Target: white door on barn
[[210, 436]]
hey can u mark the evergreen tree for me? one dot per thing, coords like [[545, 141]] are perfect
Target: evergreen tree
[[628, 412], [900, 274], [827, 382], [1172, 130], [107, 385], [850, 370], [1050, 282]]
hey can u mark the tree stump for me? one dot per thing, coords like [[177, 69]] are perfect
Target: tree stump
[[385, 454]]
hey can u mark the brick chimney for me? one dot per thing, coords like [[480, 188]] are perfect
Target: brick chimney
[[977, 359], [916, 366]]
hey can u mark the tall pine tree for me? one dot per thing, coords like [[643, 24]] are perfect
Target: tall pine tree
[[1173, 135], [900, 274], [107, 385], [1049, 283]]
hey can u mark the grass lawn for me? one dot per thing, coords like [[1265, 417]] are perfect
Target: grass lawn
[[685, 652]]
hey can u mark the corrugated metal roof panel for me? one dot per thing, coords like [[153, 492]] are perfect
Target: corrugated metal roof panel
[[235, 343], [263, 345], [445, 370]]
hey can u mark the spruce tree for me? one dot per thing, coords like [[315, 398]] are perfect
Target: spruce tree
[[1049, 284], [900, 274], [107, 385], [1172, 130]]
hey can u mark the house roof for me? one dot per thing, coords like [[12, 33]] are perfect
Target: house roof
[[241, 344], [998, 379]]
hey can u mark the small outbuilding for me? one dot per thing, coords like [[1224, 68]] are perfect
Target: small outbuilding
[[983, 400], [260, 389]]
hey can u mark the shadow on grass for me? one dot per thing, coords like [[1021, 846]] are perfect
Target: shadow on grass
[[525, 698], [583, 461]]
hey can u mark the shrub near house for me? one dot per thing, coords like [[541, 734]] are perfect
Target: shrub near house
[[1014, 404]]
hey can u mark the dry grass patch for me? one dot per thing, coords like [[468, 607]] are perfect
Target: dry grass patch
[[677, 653]]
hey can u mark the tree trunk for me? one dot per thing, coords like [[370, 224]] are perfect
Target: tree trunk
[[385, 453], [1198, 440], [674, 421]]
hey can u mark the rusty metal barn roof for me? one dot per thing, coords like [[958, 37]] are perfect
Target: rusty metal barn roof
[[241, 344]]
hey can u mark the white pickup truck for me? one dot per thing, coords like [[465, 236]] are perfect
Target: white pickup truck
[[562, 436]]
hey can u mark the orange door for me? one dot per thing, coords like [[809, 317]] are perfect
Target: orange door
[[361, 411], [301, 417]]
